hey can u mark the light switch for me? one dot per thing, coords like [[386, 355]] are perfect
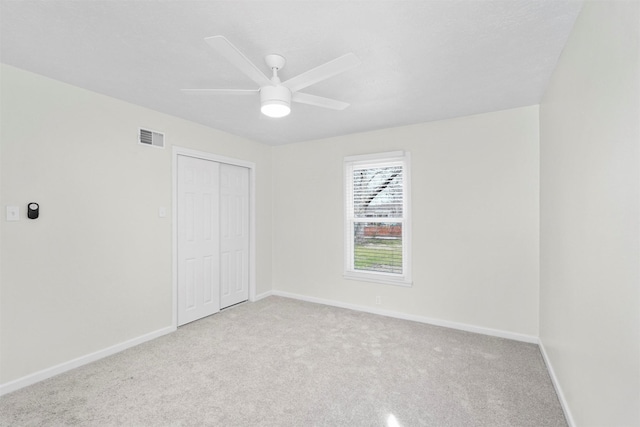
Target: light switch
[[162, 212], [13, 213]]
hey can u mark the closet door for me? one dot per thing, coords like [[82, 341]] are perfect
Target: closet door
[[234, 235], [198, 234]]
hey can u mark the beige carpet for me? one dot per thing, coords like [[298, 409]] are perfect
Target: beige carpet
[[282, 362]]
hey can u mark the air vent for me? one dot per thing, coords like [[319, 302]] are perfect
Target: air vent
[[150, 137]]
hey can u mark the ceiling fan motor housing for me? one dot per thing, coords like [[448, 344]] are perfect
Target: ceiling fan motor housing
[[276, 98]]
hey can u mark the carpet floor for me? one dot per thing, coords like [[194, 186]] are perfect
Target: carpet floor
[[283, 362]]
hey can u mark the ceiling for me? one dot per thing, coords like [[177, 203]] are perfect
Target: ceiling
[[420, 60]]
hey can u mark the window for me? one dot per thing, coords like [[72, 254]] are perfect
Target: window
[[377, 212]]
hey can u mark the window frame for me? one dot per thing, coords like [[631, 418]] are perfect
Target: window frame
[[373, 160]]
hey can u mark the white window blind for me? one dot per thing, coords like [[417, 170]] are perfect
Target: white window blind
[[376, 218]]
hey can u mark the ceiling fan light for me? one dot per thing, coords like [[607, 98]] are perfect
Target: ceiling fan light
[[276, 109], [275, 101]]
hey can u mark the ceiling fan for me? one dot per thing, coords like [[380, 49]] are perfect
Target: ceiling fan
[[276, 96]]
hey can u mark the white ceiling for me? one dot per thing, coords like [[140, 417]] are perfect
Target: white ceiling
[[421, 60]]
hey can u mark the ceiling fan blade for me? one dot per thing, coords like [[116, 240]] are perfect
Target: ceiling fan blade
[[318, 101], [221, 91], [237, 58], [322, 72]]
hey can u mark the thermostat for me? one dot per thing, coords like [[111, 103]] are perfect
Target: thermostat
[[33, 210]]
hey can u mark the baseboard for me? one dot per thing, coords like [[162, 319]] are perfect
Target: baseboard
[[398, 315], [80, 361], [556, 385], [262, 296]]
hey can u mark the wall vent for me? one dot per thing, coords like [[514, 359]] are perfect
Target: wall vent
[[150, 137]]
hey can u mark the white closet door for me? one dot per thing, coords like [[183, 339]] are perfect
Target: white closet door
[[234, 235], [198, 238]]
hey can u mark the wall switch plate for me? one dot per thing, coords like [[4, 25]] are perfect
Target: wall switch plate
[[13, 213], [378, 299], [162, 212]]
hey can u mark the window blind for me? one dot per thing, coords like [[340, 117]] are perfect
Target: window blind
[[376, 217], [377, 192]]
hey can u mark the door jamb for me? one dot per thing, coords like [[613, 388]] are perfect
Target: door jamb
[[180, 151]]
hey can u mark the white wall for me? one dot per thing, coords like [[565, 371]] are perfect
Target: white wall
[[95, 269], [475, 220], [590, 256]]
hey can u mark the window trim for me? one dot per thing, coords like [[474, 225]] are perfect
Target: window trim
[[350, 273]]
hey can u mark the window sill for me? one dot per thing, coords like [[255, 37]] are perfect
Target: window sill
[[378, 278]]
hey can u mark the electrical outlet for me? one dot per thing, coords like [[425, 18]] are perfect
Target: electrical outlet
[[378, 300]]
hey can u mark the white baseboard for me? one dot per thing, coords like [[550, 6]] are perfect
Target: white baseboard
[[398, 315], [262, 296], [80, 361], [556, 385]]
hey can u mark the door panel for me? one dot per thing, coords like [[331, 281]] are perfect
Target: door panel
[[234, 234], [198, 238]]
